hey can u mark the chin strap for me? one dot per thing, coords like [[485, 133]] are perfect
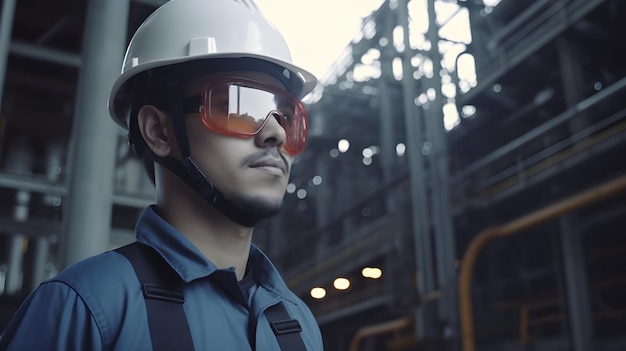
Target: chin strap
[[189, 172]]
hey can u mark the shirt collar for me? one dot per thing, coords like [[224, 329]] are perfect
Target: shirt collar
[[190, 263], [267, 275], [175, 249]]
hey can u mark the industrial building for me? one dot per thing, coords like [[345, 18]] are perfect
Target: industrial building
[[462, 188]]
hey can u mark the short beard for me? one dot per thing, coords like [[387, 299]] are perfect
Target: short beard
[[260, 206]]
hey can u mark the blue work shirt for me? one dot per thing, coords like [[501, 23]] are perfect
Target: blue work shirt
[[97, 304]]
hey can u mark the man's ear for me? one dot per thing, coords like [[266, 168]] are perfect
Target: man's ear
[[155, 128]]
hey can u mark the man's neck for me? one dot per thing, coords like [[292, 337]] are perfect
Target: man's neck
[[222, 241]]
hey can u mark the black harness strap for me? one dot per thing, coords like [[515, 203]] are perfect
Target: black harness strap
[[162, 290], [287, 330], [169, 328]]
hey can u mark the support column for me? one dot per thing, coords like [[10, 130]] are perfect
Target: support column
[[19, 162], [425, 315], [87, 215], [6, 27], [572, 80], [40, 248], [386, 111], [579, 309], [440, 186], [13, 282]]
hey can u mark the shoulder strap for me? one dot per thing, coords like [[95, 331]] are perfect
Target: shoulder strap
[[164, 298], [286, 329], [164, 302]]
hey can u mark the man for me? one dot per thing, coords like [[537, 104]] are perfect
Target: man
[[212, 105]]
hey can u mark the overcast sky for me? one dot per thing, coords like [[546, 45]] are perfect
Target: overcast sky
[[317, 31]]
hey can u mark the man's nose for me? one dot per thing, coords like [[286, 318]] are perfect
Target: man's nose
[[272, 134]]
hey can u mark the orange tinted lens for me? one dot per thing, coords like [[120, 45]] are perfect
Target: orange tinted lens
[[241, 108], [296, 128]]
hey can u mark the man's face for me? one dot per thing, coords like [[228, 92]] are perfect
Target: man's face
[[251, 171]]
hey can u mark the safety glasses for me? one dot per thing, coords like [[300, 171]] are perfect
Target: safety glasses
[[241, 107]]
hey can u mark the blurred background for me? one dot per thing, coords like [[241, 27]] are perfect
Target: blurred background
[[462, 189]]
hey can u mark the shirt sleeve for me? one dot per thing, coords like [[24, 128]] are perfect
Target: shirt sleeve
[[53, 317]]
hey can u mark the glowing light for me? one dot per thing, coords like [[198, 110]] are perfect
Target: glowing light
[[468, 110], [318, 293], [431, 94], [491, 3], [597, 86], [372, 272], [370, 56], [363, 73], [317, 180], [421, 99], [341, 283], [451, 117], [466, 71], [301, 194], [343, 145], [367, 152], [396, 67], [400, 149], [448, 90], [291, 188]]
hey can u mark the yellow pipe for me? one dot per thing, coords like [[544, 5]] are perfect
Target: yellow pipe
[[565, 206], [523, 325], [386, 327]]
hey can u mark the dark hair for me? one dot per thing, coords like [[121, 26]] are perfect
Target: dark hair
[[147, 88]]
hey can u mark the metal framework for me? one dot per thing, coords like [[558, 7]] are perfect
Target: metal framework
[[543, 121]]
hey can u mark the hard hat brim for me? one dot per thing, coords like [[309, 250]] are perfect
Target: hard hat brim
[[304, 77]]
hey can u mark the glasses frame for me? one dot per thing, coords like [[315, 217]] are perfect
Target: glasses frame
[[295, 140]]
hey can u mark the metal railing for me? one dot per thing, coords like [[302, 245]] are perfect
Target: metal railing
[[558, 209]]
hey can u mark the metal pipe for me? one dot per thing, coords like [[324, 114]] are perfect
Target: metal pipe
[[518, 23], [535, 218], [40, 185], [523, 326], [45, 54], [377, 329], [495, 68], [6, 27], [582, 106]]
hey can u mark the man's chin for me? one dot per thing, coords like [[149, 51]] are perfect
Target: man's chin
[[261, 206]]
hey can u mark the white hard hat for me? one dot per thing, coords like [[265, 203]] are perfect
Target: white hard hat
[[188, 30]]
